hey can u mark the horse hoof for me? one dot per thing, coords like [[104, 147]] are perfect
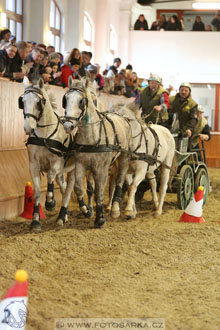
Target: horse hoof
[[130, 215], [88, 214], [157, 213], [115, 214], [99, 223], [35, 226], [51, 205], [60, 222]]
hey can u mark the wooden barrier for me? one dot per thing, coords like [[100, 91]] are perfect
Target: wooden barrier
[[14, 164]]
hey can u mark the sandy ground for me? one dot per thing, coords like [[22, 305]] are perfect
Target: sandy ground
[[147, 267]]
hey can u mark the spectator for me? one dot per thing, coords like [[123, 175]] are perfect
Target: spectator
[[141, 23], [129, 67], [5, 37], [12, 39], [35, 57], [18, 67], [162, 24], [154, 102], [45, 59], [119, 85], [70, 69], [129, 83], [216, 21], [55, 74], [113, 69], [75, 54], [93, 70], [99, 78], [6, 56], [186, 109], [208, 28], [30, 46], [50, 49], [42, 46], [136, 89], [154, 26], [55, 57], [198, 24], [174, 24]]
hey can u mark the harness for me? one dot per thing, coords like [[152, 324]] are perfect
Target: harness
[[103, 117], [53, 146]]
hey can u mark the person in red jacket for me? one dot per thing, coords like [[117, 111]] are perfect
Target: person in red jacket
[[70, 69]]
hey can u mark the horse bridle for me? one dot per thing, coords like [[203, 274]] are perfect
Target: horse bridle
[[40, 104], [83, 105]]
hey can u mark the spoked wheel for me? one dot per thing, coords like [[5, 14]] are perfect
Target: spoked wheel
[[185, 187], [202, 179]]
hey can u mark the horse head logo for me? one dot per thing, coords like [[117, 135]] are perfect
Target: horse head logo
[[15, 314]]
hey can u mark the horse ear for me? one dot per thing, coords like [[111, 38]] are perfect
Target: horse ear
[[41, 83], [85, 82], [26, 82], [70, 81]]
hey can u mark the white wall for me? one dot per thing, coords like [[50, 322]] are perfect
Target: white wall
[[176, 56]]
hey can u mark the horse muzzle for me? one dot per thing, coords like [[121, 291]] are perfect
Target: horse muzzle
[[69, 127]]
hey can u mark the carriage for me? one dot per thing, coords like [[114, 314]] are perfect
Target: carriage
[[189, 171]]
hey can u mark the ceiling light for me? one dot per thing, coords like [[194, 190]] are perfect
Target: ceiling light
[[206, 5]]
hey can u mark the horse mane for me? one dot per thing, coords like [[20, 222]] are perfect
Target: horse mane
[[53, 101], [50, 95]]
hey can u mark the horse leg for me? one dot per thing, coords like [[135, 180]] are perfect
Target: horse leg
[[140, 170], [163, 188], [35, 174], [50, 203], [90, 191], [80, 173], [100, 183], [63, 216], [112, 178], [153, 185], [122, 170]]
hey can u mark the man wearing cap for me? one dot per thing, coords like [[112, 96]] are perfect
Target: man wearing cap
[[186, 109], [154, 101], [202, 129]]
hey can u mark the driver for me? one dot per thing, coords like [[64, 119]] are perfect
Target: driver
[[185, 107], [154, 101]]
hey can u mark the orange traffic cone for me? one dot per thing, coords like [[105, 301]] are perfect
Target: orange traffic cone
[[193, 212], [29, 203], [13, 307]]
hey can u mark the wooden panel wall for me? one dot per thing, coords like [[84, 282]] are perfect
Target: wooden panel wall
[[14, 165]]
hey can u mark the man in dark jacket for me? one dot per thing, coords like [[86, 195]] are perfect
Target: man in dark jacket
[[186, 109], [17, 65], [35, 57], [6, 56]]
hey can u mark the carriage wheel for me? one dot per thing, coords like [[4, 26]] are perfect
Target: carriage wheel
[[185, 187], [202, 179]]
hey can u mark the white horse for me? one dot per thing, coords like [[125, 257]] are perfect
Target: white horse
[[47, 145], [153, 147], [100, 139]]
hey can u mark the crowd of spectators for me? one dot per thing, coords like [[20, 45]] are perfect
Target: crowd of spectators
[[175, 24], [19, 59]]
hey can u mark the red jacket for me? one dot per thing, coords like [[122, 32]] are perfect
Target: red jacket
[[66, 72]]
